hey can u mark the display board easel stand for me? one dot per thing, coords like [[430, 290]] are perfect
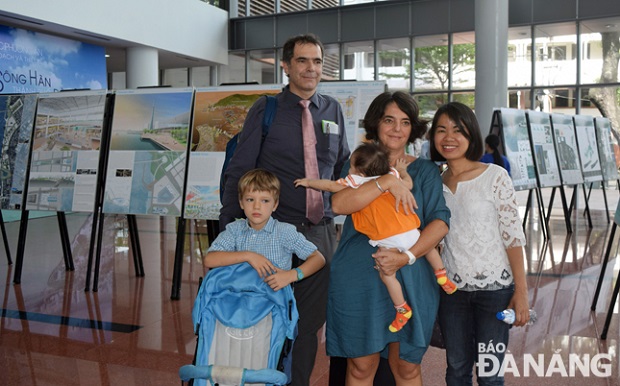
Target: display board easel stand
[[614, 296], [7, 248], [604, 197], [177, 274], [604, 266], [569, 228], [96, 238], [64, 241], [610, 311], [541, 211], [573, 200], [21, 244]]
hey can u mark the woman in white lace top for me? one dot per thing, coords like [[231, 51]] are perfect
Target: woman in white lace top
[[483, 251]]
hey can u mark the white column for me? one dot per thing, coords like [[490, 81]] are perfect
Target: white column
[[491, 23], [142, 64]]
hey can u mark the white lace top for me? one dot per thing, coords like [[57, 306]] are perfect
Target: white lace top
[[484, 222]]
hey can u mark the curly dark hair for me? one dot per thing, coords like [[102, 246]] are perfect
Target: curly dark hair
[[405, 102]]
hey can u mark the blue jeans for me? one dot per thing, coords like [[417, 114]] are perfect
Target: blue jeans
[[470, 328]]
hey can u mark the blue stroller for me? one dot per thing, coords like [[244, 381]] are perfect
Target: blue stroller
[[245, 330]]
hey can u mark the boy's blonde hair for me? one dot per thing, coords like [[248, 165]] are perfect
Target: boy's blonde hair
[[259, 180]]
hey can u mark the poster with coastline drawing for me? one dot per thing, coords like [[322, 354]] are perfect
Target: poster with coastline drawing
[[545, 159], [65, 151], [516, 140], [148, 144], [17, 119], [219, 114], [566, 148], [606, 149], [588, 149]]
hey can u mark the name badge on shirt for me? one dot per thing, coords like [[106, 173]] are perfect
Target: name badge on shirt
[[329, 127]]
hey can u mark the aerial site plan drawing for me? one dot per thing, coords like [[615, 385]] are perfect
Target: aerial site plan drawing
[[16, 120]]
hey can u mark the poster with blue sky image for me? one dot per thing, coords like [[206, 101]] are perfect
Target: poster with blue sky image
[[32, 62]]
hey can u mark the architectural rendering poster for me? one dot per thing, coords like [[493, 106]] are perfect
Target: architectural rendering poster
[[148, 145], [544, 150], [35, 62], [606, 149], [354, 98], [516, 140], [219, 114], [17, 120], [65, 151], [566, 148], [588, 149]]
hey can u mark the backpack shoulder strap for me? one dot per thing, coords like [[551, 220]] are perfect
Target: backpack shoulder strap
[[270, 112]]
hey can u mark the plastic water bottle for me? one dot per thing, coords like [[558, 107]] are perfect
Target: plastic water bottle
[[508, 316]]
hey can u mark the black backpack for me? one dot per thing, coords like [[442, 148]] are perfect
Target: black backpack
[[270, 112]]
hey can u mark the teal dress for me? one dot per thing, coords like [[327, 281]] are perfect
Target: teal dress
[[359, 309]]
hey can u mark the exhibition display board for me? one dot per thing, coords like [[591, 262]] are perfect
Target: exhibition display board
[[512, 126], [588, 149], [566, 149], [219, 114], [354, 99], [606, 149], [17, 113], [147, 156], [159, 151], [545, 159], [65, 151]]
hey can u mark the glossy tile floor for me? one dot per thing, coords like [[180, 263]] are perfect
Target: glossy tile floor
[[129, 332]]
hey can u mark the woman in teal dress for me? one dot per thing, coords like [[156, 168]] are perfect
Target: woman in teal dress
[[359, 308]]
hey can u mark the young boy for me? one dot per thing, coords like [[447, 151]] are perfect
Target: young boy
[[260, 240], [381, 223]]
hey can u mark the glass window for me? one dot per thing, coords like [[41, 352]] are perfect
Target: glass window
[[234, 72], [429, 103], [608, 98], [519, 57], [553, 56], [331, 62], [555, 100], [394, 63], [597, 37], [464, 60], [431, 68], [261, 67], [467, 98], [362, 68], [349, 61], [519, 99]]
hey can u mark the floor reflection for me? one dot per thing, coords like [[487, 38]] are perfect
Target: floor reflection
[[53, 332]]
